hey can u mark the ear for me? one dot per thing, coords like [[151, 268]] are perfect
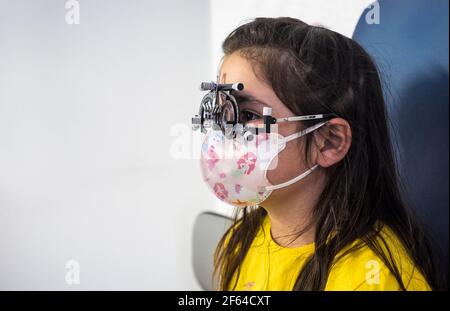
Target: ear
[[333, 142]]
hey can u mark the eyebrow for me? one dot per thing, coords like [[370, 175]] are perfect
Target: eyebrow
[[242, 96]]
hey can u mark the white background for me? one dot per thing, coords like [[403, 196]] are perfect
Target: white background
[[87, 116]]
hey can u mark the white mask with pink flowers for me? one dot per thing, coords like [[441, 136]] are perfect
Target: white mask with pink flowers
[[236, 169]]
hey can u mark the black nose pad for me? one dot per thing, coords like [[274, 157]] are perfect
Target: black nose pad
[[248, 136], [250, 132]]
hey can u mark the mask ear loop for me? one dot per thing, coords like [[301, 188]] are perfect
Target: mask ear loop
[[307, 172], [293, 180], [304, 132]]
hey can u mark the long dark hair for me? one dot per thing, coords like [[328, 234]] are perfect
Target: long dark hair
[[315, 70]]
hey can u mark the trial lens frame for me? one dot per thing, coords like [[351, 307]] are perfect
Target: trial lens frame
[[212, 113]]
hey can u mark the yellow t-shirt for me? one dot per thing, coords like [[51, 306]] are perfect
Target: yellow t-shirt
[[268, 266]]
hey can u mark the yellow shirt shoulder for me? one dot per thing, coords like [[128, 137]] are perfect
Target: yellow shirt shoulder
[[268, 266]]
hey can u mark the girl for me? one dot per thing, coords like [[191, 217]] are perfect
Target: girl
[[344, 224]]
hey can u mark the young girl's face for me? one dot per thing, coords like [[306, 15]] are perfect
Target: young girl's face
[[256, 95]]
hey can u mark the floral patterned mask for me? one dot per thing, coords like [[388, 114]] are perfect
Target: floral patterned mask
[[236, 169]]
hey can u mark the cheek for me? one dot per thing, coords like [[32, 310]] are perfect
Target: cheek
[[291, 163]]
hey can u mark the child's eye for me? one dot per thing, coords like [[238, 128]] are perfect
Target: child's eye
[[247, 116]]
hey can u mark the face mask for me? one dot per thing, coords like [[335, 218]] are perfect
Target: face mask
[[236, 169]]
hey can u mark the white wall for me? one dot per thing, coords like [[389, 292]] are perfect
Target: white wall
[[86, 118]]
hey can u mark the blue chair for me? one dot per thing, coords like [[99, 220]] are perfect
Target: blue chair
[[410, 46]]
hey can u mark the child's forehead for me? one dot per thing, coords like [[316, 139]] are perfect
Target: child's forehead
[[235, 68]]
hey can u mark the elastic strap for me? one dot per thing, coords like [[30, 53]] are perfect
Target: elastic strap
[[304, 132], [292, 181]]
